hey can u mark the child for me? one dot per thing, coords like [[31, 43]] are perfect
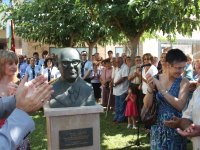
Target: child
[[131, 107]]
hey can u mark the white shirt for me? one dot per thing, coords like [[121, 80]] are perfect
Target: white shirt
[[118, 74], [192, 113], [114, 70], [55, 73], [29, 71], [41, 62], [152, 71]]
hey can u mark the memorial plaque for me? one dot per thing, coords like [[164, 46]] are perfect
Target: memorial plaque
[[75, 138]]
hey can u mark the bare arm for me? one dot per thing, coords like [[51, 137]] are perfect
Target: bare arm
[[87, 74], [126, 98], [177, 102], [132, 76], [143, 79], [121, 80], [148, 99]]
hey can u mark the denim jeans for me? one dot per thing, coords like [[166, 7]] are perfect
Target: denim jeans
[[120, 105]]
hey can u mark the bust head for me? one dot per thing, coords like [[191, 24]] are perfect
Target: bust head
[[69, 64]]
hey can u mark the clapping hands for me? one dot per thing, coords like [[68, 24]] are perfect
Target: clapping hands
[[30, 96]]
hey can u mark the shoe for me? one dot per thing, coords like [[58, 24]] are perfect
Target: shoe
[[134, 127], [128, 126]]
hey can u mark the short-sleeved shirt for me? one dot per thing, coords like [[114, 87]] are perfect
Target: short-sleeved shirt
[[188, 71], [41, 62], [55, 73], [122, 88], [88, 66], [29, 72], [22, 69]]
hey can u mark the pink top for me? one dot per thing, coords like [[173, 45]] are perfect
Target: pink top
[[106, 74]]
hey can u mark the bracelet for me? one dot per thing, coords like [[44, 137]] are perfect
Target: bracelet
[[149, 91], [164, 92]]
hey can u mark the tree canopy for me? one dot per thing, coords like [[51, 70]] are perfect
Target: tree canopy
[[68, 22], [135, 17]]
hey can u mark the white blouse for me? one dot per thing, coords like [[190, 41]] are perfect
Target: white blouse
[[152, 71], [55, 73], [192, 113]]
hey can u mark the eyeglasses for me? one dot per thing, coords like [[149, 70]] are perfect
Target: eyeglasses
[[178, 68], [138, 60], [83, 55], [68, 63]]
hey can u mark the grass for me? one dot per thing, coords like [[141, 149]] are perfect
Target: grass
[[112, 136]]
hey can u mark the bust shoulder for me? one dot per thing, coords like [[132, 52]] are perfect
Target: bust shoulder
[[84, 84]]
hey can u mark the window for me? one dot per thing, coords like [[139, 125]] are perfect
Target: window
[[118, 50]]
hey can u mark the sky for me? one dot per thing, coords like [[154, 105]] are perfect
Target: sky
[[6, 1]]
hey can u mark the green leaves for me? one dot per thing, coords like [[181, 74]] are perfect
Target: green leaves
[[70, 22]]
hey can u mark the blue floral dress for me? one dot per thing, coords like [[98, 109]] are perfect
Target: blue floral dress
[[162, 137]]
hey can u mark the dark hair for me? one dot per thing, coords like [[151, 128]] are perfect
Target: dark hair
[[106, 60], [46, 60], [110, 51], [45, 52], [138, 56], [83, 52], [175, 55], [134, 88], [35, 53]]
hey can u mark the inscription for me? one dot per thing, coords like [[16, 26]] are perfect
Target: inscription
[[75, 138]]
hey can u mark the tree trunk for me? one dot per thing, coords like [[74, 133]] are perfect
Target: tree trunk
[[91, 46], [133, 46], [67, 42]]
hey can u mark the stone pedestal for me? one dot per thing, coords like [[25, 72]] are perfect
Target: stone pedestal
[[73, 128]]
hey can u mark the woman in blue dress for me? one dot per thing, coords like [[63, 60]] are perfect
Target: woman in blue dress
[[172, 92]]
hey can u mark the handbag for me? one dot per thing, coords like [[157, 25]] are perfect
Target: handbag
[[149, 115]]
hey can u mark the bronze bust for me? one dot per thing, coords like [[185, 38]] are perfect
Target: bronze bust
[[70, 90]]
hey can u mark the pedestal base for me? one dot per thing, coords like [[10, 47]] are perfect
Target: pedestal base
[[73, 127]]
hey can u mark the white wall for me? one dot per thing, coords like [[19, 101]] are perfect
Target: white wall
[[151, 46]]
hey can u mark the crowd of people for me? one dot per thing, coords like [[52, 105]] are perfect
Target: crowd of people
[[124, 87]]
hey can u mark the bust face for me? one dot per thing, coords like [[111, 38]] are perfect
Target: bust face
[[69, 64]]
